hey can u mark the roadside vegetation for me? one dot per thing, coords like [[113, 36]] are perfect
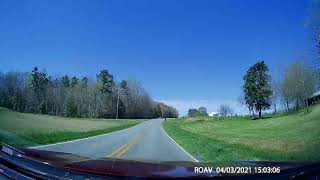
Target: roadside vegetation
[[37, 108], [289, 132], [99, 97], [26, 129], [293, 136]]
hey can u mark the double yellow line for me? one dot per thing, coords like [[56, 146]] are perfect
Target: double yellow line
[[118, 153]]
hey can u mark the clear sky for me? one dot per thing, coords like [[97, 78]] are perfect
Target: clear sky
[[186, 53]]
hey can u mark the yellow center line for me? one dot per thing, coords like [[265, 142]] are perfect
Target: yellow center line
[[124, 148]]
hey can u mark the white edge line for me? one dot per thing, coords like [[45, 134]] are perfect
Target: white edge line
[[87, 137], [179, 145]]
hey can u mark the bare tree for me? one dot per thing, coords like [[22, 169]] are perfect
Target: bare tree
[[242, 102], [225, 109], [284, 91], [299, 83], [275, 94]]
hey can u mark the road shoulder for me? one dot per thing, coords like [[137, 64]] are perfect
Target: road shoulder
[[196, 160]]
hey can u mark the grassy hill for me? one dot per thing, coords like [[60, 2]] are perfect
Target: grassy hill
[[26, 129], [295, 136]]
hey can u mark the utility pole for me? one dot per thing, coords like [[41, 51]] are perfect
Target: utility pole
[[119, 91], [118, 106]]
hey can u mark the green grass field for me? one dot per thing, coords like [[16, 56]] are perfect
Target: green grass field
[[26, 129], [288, 137]]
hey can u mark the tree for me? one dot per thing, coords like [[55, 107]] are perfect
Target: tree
[[106, 81], [284, 90], [39, 84], [84, 83], [203, 111], [257, 88], [121, 110], [105, 104], [71, 108], [193, 112], [242, 102], [158, 110], [66, 81], [300, 82], [225, 109], [275, 94], [124, 84], [74, 82]]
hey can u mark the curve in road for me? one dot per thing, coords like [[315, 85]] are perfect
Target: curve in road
[[145, 142]]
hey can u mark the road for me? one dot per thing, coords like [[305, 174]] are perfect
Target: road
[[146, 142]]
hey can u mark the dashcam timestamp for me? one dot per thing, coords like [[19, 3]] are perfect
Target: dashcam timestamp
[[238, 170]]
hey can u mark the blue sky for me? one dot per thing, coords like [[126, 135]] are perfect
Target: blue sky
[[186, 53]]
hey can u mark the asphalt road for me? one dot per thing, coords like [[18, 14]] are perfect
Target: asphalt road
[[146, 142]]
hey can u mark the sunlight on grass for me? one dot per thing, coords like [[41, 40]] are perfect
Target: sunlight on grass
[[33, 129], [294, 136]]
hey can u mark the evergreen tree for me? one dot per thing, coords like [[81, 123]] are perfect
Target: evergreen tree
[[39, 83], [257, 88], [71, 108], [106, 80], [74, 82], [66, 81]]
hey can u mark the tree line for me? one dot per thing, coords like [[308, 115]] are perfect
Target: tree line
[[223, 110], [99, 97]]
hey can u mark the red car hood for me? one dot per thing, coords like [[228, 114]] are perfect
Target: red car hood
[[115, 167]]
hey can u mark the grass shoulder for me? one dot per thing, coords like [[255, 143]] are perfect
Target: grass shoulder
[[26, 129], [287, 137]]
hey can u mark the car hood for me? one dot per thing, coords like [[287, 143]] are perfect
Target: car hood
[[131, 168], [115, 167]]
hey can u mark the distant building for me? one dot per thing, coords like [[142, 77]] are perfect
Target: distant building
[[214, 114], [314, 98]]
